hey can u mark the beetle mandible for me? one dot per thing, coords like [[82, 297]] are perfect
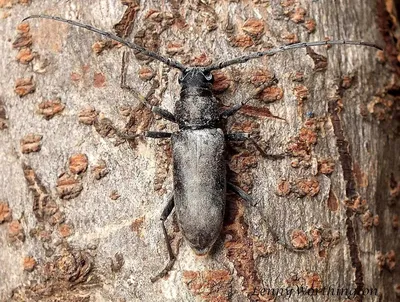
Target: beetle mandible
[[199, 174]]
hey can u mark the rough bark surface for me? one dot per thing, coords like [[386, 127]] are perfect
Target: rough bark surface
[[80, 208]]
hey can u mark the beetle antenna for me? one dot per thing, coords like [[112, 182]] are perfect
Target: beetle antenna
[[271, 52], [142, 50]]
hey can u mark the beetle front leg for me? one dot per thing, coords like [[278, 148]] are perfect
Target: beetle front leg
[[166, 212], [157, 110]]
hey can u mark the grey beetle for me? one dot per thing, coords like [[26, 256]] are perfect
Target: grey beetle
[[198, 147]]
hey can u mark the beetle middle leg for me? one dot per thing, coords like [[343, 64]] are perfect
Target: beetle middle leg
[[150, 134], [241, 136], [235, 108], [166, 212]]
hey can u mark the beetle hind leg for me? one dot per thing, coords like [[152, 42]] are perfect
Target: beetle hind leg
[[166, 212]]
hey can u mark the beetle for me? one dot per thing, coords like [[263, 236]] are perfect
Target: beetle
[[199, 172]]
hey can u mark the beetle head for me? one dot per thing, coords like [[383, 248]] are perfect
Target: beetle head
[[195, 77]]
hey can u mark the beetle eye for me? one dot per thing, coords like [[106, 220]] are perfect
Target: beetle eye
[[208, 77], [180, 79]]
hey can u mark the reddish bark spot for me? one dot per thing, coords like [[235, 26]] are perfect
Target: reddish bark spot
[[310, 25], [301, 93], [290, 38], [332, 202], [240, 251], [357, 204], [68, 186], [308, 136], [146, 73], [283, 188], [367, 220], [308, 187], [212, 285], [29, 263], [100, 170], [23, 28], [322, 239], [24, 55], [271, 94], [88, 115], [78, 163], [298, 15], [326, 166], [380, 56], [253, 27], [24, 38], [347, 81], [381, 108], [57, 218], [65, 230], [313, 281], [5, 212], [299, 239], [114, 195], [24, 86], [10, 3], [75, 77], [174, 48], [261, 76], [298, 76], [221, 82], [101, 46], [386, 261], [154, 15], [15, 231], [287, 3], [137, 225], [201, 60], [31, 143], [241, 41], [50, 108], [99, 80]]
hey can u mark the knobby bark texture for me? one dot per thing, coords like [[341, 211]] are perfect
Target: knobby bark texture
[[80, 207]]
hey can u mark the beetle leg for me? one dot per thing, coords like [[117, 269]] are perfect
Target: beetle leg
[[157, 110], [166, 212], [235, 108], [240, 136], [151, 134], [242, 194]]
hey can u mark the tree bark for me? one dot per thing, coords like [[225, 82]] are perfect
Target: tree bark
[[80, 207]]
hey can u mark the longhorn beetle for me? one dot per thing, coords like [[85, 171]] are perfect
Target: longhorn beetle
[[199, 174]]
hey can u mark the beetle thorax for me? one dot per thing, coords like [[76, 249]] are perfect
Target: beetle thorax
[[197, 108]]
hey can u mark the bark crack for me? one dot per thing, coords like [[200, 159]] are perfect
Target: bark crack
[[351, 193]]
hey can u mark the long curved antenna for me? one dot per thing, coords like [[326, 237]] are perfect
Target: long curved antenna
[[149, 53], [254, 55]]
